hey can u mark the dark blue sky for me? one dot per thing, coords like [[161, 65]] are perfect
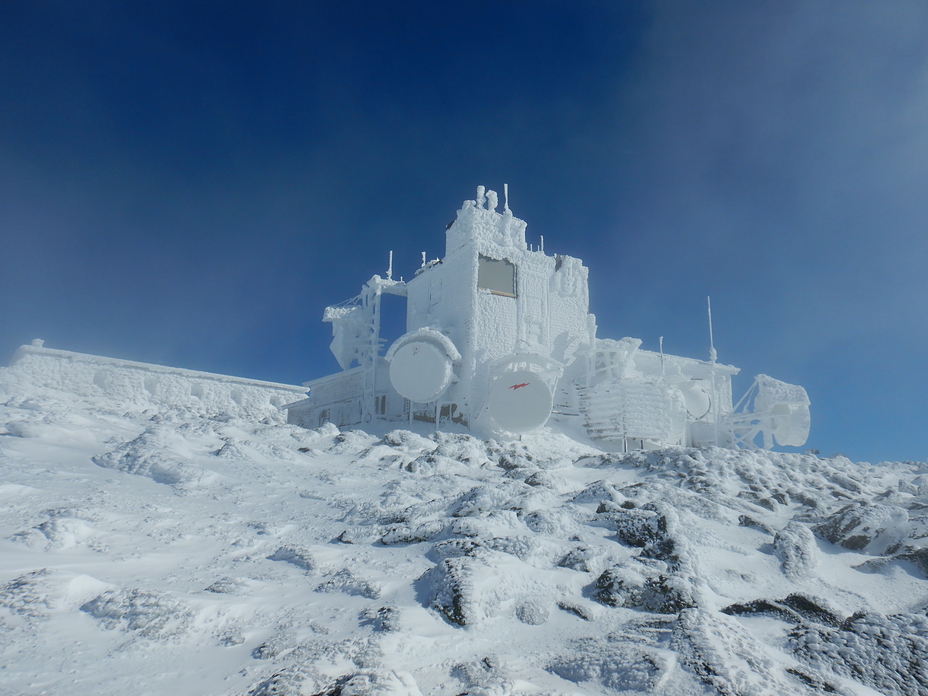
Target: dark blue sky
[[190, 183]]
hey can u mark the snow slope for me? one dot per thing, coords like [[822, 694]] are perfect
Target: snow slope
[[183, 551]]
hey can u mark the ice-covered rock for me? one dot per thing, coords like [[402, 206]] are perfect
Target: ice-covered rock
[[295, 555], [869, 527], [452, 590], [622, 667], [917, 558], [345, 581], [373, 683], [886, 653], [797, 608], [795, 546], [153, 614], [654, 592], [26, 596]]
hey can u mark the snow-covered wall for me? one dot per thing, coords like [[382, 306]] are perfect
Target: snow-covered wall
[[34, 366]]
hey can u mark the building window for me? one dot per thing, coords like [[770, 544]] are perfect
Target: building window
[[496, 275]]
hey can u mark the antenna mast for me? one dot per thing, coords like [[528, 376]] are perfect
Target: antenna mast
[[660, 342], [715, 392]]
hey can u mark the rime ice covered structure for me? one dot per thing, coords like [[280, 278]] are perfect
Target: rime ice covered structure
[[139, 386], [499, 338]]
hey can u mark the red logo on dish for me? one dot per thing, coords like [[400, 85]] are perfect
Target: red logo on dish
[[519, 386]]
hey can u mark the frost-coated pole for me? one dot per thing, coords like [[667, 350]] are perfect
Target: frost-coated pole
[[375, 346], [660, 343], [712, 358], [390, 267]]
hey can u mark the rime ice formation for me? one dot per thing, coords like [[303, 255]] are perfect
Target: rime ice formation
[[141, 385], [500, 339]]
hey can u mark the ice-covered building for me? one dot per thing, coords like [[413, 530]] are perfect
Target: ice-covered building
[[136, 385], [499, 338]]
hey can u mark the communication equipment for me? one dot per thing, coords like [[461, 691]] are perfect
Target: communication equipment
[[420, 371]]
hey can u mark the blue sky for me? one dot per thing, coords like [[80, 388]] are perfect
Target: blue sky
[[190, 183]]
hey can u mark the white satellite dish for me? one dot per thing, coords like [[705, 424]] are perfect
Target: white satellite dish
[[790, 424], [698, 403], [781, 413], [520, 401], [420, 371], [784, 409]]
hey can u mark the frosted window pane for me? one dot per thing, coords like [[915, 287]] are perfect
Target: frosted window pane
[[495, 275]]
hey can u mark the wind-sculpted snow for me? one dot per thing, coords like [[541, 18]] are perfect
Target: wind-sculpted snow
[[174, 552]]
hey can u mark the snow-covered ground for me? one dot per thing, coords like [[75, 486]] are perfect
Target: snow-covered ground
[[154, 550]]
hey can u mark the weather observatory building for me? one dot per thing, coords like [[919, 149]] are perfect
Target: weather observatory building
[[499, 339]]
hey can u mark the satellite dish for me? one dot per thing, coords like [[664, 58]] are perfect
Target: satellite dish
[[697, 400], [781, 413], [520, 401], [791, 424], [420, 371], [784, 410]]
